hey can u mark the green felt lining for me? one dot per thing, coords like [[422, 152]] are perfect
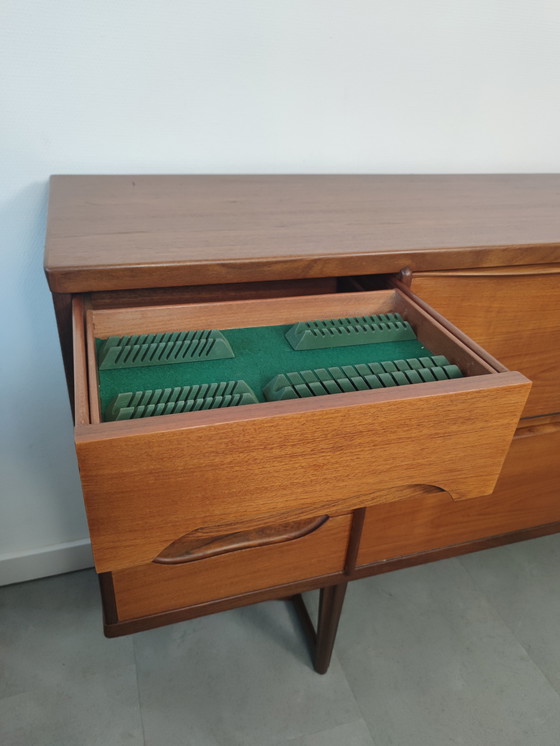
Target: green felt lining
[[260, 353]]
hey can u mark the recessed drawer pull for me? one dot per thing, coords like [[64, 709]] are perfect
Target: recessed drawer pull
[[163, 349], [137, 404], [358, 330], [319, 382], [198, 544]]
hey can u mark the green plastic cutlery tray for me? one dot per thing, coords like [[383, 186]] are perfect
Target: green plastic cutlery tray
[[157, 374]]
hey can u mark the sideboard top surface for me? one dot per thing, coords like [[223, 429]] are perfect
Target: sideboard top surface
[[122, 232]]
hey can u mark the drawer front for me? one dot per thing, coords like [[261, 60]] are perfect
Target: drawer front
[[155, 588], [513, 313], [148, 482], [526, 495]]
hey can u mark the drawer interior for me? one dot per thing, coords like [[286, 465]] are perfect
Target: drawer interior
[[260, 354], [262, 351]]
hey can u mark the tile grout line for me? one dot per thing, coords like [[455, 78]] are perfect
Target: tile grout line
[[503, 621], [325, 730], [138, 691]]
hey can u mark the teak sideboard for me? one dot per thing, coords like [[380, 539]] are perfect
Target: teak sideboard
[[199, 512]]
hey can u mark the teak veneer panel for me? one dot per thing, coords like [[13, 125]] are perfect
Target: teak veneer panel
[[153, 588], [239, 313], [148, 482], [213, 293], [527, 494], [514, 314], [125, 232], [82, 414], [143, 489]]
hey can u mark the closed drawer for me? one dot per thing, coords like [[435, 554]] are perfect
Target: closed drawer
[[514, 313], [147, 482], [155, 588], [527, 494]]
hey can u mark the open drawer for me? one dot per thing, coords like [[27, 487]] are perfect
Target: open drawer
[[147, 482]]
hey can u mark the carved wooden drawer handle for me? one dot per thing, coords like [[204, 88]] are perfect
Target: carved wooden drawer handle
[[199, 544]]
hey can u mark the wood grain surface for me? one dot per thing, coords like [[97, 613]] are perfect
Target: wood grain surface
[[148, 482], [212, 293], [80, 389], [515, 315], [526, 495], [145, 489], [435, 334], [119, 232], [154, 588], [92, 369], [484, 250], [239, 313], [63, 310], [151, 621]]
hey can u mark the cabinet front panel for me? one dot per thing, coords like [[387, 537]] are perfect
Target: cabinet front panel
[[513, 313], [527, 495], [154, 588]]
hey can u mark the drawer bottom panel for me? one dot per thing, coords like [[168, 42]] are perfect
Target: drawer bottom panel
[[527, 495], [154, 588]]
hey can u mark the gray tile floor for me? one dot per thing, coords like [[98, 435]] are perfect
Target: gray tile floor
[[464, 651]]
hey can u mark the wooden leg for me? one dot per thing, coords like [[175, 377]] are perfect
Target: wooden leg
[[321, 642], [330, 609]]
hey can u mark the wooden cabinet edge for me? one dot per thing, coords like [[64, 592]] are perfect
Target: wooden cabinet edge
[[523, 270]]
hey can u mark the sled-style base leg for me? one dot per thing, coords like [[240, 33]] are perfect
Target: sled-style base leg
[[322, 639]]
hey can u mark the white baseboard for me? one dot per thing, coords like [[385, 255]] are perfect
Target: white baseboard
[[40, 563]]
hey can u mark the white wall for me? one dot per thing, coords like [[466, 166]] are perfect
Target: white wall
[[210, 86]]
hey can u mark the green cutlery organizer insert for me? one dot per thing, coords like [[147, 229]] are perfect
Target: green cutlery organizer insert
[[163, 349], [260, 355], [357, 330], [138, 404], [335, 380]]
